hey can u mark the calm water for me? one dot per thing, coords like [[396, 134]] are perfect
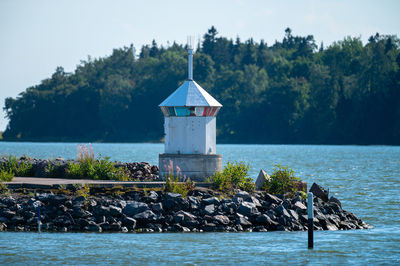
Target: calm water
[[365, 178]]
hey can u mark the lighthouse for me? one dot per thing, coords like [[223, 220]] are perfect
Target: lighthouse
[[190, 130]]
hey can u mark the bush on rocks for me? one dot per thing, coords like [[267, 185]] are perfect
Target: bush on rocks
[[234, 176], [281, 181], [89, 167], [11, 166]]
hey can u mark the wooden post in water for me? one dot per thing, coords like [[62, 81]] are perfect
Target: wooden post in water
[[310, 210], [38, 218]]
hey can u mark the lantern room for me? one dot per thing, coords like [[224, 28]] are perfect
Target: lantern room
[[190, 120]]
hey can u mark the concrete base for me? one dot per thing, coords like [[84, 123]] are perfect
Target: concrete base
[[195, 166]]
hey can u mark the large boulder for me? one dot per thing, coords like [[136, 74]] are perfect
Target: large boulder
[[272, 199], [335, 200], [248, 209], [319, 192], [266, 221], [134, 207], [283, 212], [115, 211], [261, 179], [209, 209], [186, 219], [175, 201], [210, 200], [221, 219], [145, 217]]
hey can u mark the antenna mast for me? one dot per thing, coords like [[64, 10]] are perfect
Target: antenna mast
[[190, 41]]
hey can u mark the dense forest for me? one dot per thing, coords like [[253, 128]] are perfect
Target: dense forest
[[292, 91]]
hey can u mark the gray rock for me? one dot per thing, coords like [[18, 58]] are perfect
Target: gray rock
[[282, 211], [134, 207], [266, 221], [335, 200], [248, 209], [244, 222], [186, 219], [17, 220], [209, 209], [228, 207], [129, 222], [210, 227], [294, 214], [193, 202], [9, 201], [157, 207], [211, 200], [261, 179], [242, 194], [300, 206], [254, 200], [115, 211], [101, 210], [319, 192], [175, 201], [8, 213], [272, 199], [221, 219], [153, 195], [178, 218], [146, 216], [93, 227]]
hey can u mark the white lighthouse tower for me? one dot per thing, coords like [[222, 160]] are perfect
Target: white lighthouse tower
[[190, 125]]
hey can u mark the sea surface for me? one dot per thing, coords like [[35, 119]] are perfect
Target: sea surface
[[365, 178]]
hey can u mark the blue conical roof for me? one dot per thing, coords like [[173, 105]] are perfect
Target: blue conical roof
[[190, 94]]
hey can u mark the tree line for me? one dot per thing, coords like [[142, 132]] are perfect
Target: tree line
[[292, 91]]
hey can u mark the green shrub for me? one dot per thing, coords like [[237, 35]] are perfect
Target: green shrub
[[281, 181], [105, 169], [74, 170], [6, 175], [18, 168], [102, 169], [234, 176]]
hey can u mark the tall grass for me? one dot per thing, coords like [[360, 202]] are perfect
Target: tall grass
[[88, 167], [176, 184]]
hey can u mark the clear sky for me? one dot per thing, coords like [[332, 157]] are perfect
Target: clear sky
[[37, 36]]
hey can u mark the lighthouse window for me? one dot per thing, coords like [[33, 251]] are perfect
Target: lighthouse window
[[171, 111], [199, 111], [182, 111]]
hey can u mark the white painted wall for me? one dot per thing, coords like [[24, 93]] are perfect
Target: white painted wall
[[190, 135]]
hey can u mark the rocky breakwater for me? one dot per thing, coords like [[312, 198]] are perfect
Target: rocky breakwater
[[156, 211]]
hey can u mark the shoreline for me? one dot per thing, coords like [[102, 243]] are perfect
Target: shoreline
[[117, 209]]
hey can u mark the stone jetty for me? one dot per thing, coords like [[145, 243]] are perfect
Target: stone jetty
[[202, 210]]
